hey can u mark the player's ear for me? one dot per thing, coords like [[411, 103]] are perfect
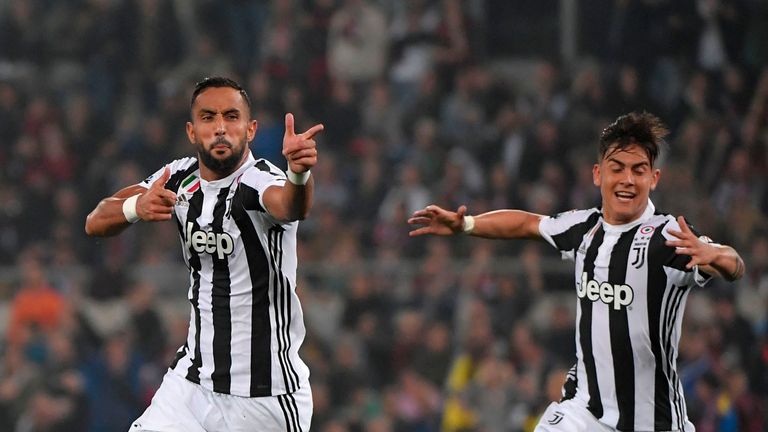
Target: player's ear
[[190, 132], [253, 126], [596, 179], [655, 179]]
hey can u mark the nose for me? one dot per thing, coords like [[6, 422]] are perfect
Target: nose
[[220, 130], [629, 177]]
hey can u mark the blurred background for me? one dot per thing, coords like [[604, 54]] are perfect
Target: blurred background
[[488, 103]]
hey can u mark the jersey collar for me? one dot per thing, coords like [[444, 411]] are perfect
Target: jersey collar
[[650, 210], [226, 181]]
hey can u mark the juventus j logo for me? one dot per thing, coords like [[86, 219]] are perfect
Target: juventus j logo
[[557, 417], [639, 257]]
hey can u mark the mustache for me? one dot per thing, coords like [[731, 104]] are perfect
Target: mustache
[[221, 141]]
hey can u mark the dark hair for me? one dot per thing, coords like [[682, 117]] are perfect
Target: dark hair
[[217, 81], [642, 129]]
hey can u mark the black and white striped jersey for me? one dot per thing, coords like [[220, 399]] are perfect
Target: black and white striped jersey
[[246, 323], [631, 291]]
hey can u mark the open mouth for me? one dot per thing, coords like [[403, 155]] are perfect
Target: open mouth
[[625, 196]]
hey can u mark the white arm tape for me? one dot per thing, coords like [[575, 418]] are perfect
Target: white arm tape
[[469, 224], [298, 179], [129, 209]]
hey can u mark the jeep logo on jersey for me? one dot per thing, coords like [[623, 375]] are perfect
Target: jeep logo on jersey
[[209, 242], [618, 295]]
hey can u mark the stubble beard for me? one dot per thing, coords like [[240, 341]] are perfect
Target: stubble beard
[[222, 167]]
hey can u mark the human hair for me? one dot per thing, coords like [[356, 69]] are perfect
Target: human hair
[[218, 81], [642, 129]]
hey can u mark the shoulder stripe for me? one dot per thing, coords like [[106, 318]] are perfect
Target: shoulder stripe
[[265, 166], [248, 197], [571, 238], [174, 181]]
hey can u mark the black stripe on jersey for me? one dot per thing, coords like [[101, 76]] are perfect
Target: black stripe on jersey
[[671, 312], [195, 209], [657, 282], [678, 262], [621, 343], [222, 314], [272, 235], [258, 268], [282, 308], [571, 238], [264, 166], [290, 419], [249, 197], [179, 354], [286, 353], [595, 405], [174, 181], [571, 383]]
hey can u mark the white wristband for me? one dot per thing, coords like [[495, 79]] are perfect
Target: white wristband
[[129, 209], [469, 224], [298, 179]]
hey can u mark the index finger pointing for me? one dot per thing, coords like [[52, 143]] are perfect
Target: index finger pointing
[[289, 125], [313, 131]]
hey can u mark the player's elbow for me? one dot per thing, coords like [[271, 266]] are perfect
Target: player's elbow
[[89, 228], [92, 228]]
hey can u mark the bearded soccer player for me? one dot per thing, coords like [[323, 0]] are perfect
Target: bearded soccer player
[[237, 217], [634, 269]]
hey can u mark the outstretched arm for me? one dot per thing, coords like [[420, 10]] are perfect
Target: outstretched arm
[[497, 224], [293, 200], [715, 260], [153, 204]]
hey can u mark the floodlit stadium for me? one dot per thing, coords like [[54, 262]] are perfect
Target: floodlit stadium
[[488, 104]]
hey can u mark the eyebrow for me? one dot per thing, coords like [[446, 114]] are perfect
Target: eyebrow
[[622, 164], [225, 112]]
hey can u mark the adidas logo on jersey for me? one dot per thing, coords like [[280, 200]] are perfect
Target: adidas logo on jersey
[[209, 242], [182, 201], [618, 295]]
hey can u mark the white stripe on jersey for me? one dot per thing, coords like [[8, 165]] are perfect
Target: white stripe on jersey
[[601, 345], [632, 290], [242, 282]]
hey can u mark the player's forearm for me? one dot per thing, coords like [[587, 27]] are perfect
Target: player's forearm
[[507, 224], [297, 200], [107, 219], [728, 263]]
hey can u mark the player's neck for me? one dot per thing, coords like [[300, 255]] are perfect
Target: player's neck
[[612, 218]]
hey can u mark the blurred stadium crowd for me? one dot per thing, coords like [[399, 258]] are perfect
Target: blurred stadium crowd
[[445, 101]]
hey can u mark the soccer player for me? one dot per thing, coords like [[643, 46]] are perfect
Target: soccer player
[[239, 369], [634, 269]]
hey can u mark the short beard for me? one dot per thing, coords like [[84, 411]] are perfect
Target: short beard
[[222, 167]]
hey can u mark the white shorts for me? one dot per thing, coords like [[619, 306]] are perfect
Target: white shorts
[[570, 416], [183, 406]]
